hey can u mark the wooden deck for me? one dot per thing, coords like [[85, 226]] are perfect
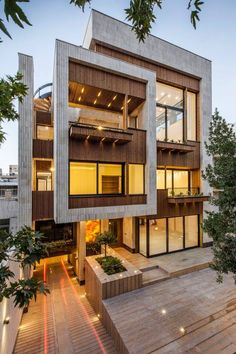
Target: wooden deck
[[188, 314], [63, 322]]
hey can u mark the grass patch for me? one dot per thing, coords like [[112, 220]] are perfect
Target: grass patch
[[111, 265]]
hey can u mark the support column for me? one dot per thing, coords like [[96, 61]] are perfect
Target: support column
[[81, 242], [104, 225], [129, 233]]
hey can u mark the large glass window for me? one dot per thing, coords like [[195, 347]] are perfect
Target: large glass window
[[136, 179], [176, 181], [44, 132], [191, 231], [169, 113], [176, 233], [44, 181], [83, 178], [191, 116], [157, 236], [109, 179], [181, 182]]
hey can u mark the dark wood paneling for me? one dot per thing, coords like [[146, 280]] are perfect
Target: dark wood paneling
[[164, 74], [105, 80], [43, 166], [42, 205], [132, 152], [86, 202], [43, 149], [165, 209], [43, 118], [191, 159]]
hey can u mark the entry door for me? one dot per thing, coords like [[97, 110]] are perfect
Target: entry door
[[116, 227]]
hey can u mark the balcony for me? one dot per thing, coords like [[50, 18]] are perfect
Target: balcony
[[89, 143], [185, 195]]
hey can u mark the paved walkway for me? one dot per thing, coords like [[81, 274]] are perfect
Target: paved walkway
[[63, 322], [189, 314], [174, 263]]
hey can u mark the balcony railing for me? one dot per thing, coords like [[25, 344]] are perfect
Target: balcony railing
[[186, 195], [8, 193]]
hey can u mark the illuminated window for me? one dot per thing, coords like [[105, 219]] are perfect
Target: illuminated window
[[44, 181], [83, 178], [191, 115], [136, 179], [191, 231], [44, 132], [109, 179], [160, 174], [169, 95], [181, 182]]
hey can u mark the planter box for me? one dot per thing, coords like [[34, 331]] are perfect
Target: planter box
[[100, 286]]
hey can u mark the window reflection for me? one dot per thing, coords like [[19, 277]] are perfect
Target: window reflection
[[191, 115], [157, 236], [174, 126], [169, 95], [176, 234]]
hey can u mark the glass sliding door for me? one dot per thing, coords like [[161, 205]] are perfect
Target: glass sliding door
[[191, 231], [175, 234], [157, 236]]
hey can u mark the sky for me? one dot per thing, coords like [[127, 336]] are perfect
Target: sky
[[215, 39]]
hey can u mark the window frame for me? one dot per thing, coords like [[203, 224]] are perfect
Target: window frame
[[196, 116], [143, 179], [97, 194]]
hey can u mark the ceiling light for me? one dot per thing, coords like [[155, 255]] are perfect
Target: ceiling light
[[82, 91], [51, 169], [88, 137], [129, 100], [182, 330], [162, 94], [79, 99], [95, 101], [99, 93], [169, 96], [109, 105], [156, 228], [177, 97], [99, 127], [114, 98], [122, 107], [163, 311]]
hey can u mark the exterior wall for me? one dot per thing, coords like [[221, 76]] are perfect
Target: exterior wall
[[103, 29], [62, 213], [129, 233], [25, 143]]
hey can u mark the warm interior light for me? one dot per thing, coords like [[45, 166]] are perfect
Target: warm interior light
[[99, 93], [122, 107], [109, 105], [52, 169], [46, 128], [163, 311], [156, 228], [99, 127], [88, 137], [129, 100], [95, 101], [114, 98], [79, 99], [98, 315], [182, 330], [82, 91]]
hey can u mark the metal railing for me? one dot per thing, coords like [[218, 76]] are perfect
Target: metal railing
[[8, 193], [183, 192]]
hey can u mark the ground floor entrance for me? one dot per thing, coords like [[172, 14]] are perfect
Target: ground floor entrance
[[166, 235]]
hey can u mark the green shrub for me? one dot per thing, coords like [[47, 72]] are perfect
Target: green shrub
[[111, 265]]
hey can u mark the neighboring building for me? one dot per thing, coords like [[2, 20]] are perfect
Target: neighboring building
[[0, 171], [13, 170], [120, 146]]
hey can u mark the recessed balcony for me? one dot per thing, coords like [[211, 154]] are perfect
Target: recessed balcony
[[175, 147], [97, 133]]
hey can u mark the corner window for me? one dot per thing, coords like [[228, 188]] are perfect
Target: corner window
[[83, 178], [109, 179], [136, 179]]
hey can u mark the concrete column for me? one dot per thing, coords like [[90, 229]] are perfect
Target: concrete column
[[25, 143], [81, 242], [129, 233]]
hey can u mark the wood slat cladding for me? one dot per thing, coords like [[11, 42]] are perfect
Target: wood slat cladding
[[42, 205], [43, 166], [43, 149], [164, 74], [105, 80], [44, 118], [132, 152], [165, 209], [87, 202], [179, 159]]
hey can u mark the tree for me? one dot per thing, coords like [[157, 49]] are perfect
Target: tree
[[11, 88], [106, 238], [24, 248], [220, 223], [140, 13]]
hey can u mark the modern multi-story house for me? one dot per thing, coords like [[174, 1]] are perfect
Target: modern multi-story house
[[117, 144]]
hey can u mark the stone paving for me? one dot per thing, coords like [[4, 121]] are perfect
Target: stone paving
[[63, 322]]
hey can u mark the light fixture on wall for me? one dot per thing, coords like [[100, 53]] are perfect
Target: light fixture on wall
[[6, 321], [114, 98], [99, 93]]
